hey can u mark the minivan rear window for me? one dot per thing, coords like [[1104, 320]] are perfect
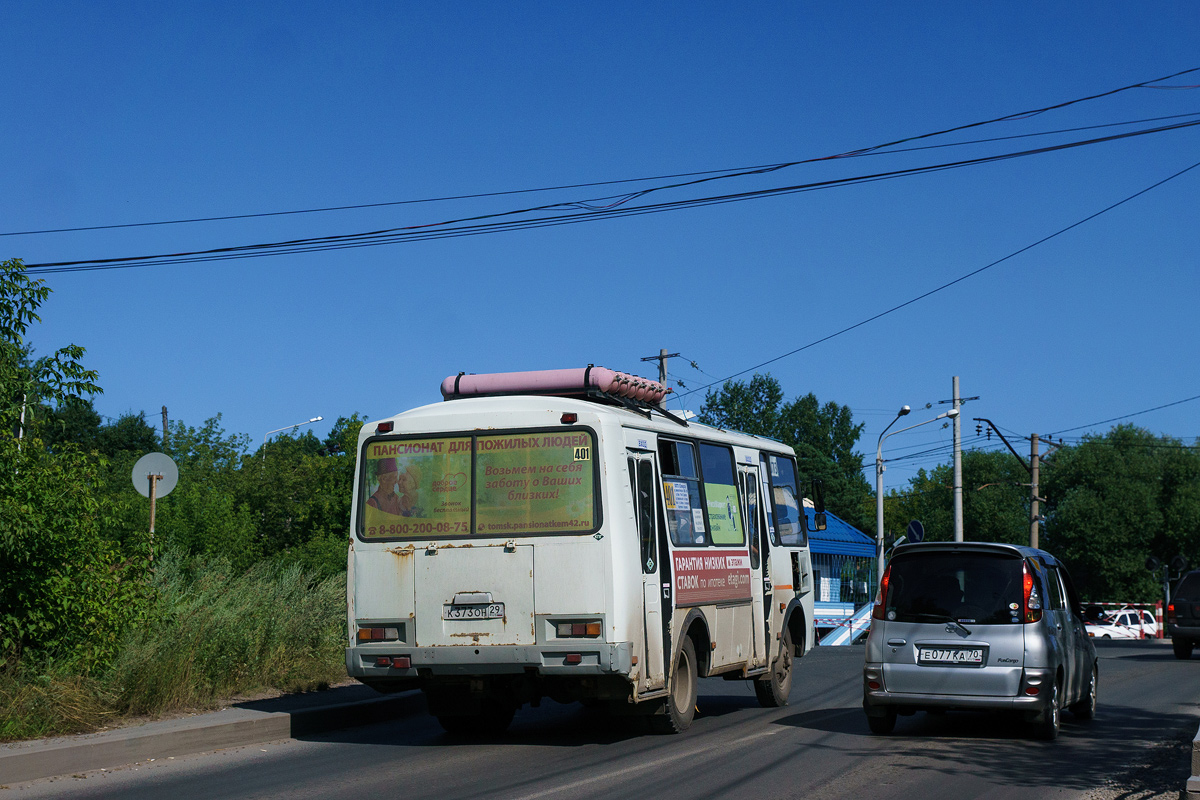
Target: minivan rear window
[[983, 588]]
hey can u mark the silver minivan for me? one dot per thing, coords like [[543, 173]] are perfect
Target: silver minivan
[[979, 626]]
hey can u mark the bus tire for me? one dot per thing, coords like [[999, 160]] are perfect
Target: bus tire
[[680, 706], [774, 687]]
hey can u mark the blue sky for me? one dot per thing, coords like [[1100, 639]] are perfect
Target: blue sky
[[128, 113]]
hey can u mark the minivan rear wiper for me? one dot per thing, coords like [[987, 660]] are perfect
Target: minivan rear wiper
[[940, 618]]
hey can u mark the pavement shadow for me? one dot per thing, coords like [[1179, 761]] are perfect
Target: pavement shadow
[[1001, 748], [300, 701], [408, 723], [830, 720]]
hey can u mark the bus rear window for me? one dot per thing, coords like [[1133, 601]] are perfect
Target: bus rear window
[[534, 483], [416, 487], [495, 484]]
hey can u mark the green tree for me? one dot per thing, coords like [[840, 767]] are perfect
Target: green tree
[[995, 504], [1116, 499], [303, 493], [65, 586], [823, 435]]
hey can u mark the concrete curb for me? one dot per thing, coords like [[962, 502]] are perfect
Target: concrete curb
[[232, 727], [1193, 783]]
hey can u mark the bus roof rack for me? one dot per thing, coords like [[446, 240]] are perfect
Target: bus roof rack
[[598, 384]]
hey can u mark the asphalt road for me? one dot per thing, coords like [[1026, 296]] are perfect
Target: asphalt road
[[817, 747]]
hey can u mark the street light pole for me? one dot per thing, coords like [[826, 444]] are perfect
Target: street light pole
[[879, 495], [267, 435], [952, 414]]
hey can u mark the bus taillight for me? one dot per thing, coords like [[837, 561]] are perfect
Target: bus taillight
[[378, 634], [575, 629]]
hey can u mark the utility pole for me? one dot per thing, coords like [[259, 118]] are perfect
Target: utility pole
[[1033, 491], [958, 401], [958, 488], [164, 437], [1032, 468], [661, 358]]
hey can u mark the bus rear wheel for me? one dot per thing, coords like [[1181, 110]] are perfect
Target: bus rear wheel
[[680, 706], [774, 687]]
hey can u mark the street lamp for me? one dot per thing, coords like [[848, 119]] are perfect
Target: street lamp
[[285, 428], [951, 414]]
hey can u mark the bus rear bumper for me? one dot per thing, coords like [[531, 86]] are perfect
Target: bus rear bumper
[[566, 660]]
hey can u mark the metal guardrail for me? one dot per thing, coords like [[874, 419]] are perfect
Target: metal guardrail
[[845, 629]]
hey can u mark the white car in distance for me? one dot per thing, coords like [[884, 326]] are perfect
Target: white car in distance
[[1124, 623]]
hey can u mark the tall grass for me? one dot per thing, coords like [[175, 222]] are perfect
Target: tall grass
[[210, 634], [47, 699]]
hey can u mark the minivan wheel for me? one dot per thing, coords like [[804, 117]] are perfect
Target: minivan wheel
[[773, 689], [1086, 707], [1047, 728], [884, 724], [1182, 647]]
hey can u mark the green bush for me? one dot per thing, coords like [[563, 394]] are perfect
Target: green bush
[[64, 586], [214, 634], [209, 633]]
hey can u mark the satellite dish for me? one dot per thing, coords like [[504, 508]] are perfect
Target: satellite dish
[[155, 464]]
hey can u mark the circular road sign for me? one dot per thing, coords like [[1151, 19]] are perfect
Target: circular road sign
[[914, 533], [155, 464]]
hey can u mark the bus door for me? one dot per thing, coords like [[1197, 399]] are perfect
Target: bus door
[[760, 579], [655, 576]]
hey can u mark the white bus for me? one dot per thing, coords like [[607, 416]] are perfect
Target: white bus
[[557, 534]]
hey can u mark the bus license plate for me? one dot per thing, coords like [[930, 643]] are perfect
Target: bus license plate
[[480, 611], [967, 656]]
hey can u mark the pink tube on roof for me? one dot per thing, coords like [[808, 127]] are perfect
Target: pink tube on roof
[[554, 381]]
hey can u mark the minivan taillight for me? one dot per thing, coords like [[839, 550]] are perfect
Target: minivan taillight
[[1170, 613], [1033, 600], [881, 598]]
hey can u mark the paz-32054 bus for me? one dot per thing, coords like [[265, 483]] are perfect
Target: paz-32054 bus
[[559, 534]]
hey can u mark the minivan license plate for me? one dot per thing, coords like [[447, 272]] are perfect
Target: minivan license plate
[[477, 611], [967, 656]]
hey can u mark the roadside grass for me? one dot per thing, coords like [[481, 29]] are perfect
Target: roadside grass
[[209, 634], [48, 700]]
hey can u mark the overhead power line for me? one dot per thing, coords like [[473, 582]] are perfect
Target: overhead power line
[[703, 176], [729, 172], [948, 284], [1126, 416], [491, 223]]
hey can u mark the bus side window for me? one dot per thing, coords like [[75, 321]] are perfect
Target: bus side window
[[772, 523], [633, 483], [646, 504], [686, 521], [721, 494], [786, 501], [750, 504]]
